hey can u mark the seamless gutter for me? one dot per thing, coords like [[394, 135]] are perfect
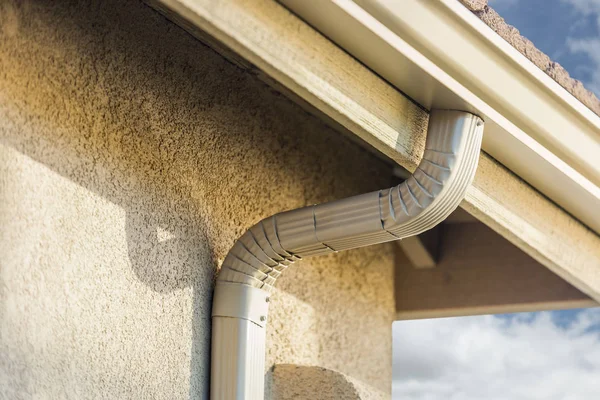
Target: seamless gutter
[[443, 56]]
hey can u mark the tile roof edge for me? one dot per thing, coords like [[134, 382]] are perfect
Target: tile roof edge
[[526, 47]]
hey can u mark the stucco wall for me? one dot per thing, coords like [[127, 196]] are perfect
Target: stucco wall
[[292, 382], [131, 157]]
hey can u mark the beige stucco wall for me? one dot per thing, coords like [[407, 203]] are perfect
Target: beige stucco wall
[[292, 382], [131, 157]]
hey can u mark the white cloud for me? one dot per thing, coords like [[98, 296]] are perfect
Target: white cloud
[[589, 46], [584, 6], [526, 357]]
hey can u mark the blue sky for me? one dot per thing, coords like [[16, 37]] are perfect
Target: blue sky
[[529, 356], [567, 30]]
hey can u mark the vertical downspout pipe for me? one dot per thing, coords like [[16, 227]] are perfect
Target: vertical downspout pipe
[[259, 256]]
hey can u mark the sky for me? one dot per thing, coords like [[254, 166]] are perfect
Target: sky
[[528, 356], [566, 30]]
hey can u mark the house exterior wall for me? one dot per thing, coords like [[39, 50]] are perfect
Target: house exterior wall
[[131, 158]]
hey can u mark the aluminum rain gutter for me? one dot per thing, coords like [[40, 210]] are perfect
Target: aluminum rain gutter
[[257, 259], [442, 56]]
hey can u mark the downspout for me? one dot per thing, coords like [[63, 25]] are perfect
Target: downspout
[[248, 273]]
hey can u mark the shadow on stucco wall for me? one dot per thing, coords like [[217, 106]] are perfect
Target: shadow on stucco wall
[[172, 258], [292, 382], [125, 104], [166, 259]]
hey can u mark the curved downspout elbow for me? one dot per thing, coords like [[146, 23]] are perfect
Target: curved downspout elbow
[[256, 260]]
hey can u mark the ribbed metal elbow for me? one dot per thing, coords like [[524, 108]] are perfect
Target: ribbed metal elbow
[[257, 259], [422, 201]]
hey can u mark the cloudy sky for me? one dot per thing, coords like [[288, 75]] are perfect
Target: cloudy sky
[[545, 356], [567, 30]]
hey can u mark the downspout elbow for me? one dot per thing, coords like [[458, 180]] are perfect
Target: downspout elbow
[[257, 259]]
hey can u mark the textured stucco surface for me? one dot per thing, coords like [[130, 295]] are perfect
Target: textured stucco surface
[[528, 49], [303, 382], [131, 157]]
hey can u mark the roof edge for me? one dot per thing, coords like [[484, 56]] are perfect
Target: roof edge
[[526, 47]]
